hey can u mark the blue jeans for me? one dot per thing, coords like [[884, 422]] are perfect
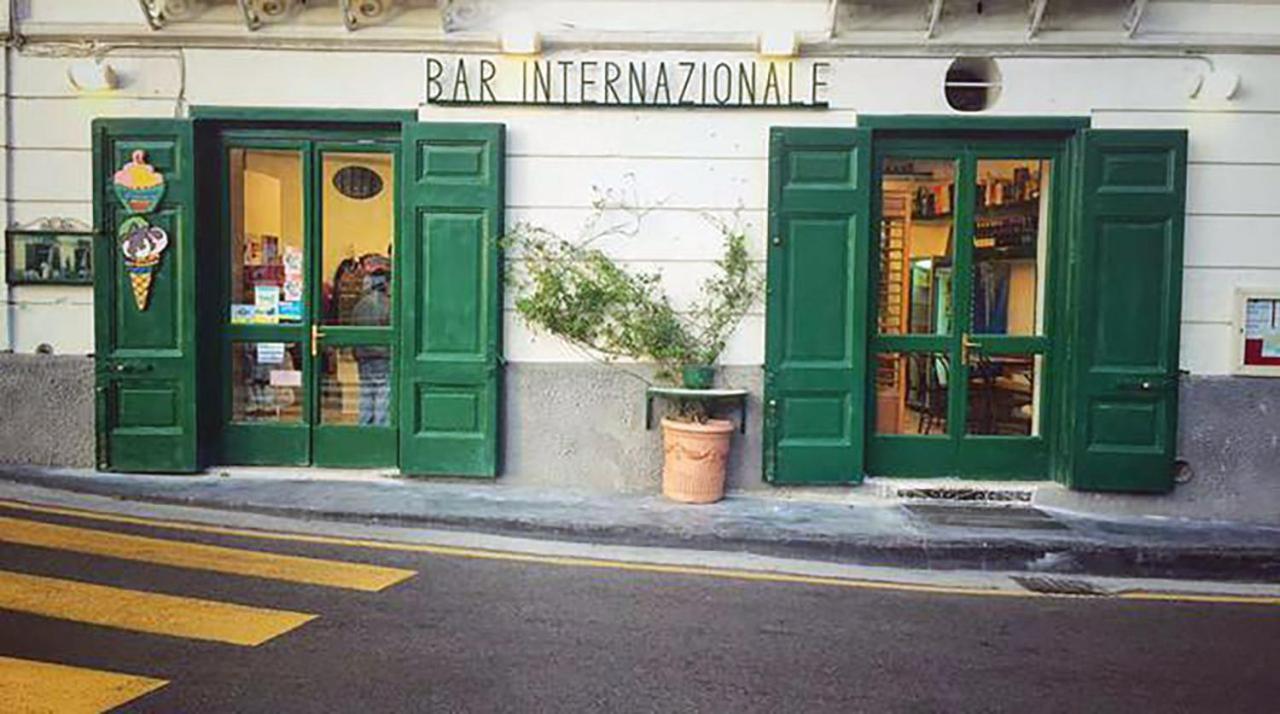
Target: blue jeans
[[375, 390]]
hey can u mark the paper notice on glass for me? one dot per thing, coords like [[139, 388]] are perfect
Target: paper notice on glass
[[266, 304], [292, 261], [242, 313], [292, 288], [1271, 343], [290, 311], [286, 378], [270, 353], [1259, 318]]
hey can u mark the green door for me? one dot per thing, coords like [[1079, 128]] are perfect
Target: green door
[[145, 331], [354, 330], [961, 347], [310, 276], [1127, 296], [450, 338], [815, 362]]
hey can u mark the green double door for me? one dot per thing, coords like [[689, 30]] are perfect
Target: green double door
[[329, 292], [966, 302], [309, 331], [961, 347]]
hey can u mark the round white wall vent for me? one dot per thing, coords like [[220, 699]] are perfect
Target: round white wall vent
[[972, 84]]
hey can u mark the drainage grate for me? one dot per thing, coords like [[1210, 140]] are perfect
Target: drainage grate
[[1059, 586], [951, 493], [945, 514]]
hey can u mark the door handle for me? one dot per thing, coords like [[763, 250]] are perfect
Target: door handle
[[1150, 384], [123, 367], [967, 344], [316, 335]]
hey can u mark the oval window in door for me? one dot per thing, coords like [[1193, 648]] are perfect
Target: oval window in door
[[358, 182]]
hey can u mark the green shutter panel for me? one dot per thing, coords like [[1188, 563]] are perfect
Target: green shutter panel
[[1127, 277], [145, 359], [451, 308], [815, 355]]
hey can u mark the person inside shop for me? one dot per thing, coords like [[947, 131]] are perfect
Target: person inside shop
[[373, 362]]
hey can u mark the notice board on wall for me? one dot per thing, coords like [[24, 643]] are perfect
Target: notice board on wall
[[1258, 332]]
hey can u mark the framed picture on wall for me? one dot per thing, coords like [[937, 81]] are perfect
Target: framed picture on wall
[[1257, 325], [46, 257]]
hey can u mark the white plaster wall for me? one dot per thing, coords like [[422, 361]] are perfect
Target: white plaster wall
[[49, 171], [680, 163], [63, 11], [714, 161]]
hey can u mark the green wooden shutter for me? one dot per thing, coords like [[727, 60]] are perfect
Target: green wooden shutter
[[815, 355], [1127, 297], [145, 359], [451, 308]]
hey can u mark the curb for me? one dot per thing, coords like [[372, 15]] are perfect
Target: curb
[[999, 553]]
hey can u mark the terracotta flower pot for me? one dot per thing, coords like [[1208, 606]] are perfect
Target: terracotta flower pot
[[694, 459]]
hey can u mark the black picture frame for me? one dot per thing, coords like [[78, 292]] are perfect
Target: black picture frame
[[48, 257]]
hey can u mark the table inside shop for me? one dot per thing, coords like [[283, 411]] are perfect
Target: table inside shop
[[1011, 376], [706, 395]]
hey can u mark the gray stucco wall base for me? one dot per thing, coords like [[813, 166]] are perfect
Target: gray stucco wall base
[[46, 410], [581, 427], [1229, 434]]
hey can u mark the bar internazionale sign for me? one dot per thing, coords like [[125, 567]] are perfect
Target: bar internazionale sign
[[664, 82]]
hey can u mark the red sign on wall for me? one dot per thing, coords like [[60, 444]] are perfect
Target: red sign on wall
[[1262, 331]]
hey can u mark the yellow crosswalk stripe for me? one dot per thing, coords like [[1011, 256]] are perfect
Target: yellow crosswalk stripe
[[235, 561], [29, 687], [143, 611]]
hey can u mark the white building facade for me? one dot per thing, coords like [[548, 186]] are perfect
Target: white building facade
[[1046, 71]]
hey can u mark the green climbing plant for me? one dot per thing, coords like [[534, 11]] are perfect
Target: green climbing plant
[[574, 290]]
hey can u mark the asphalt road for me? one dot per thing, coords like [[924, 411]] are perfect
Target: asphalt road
[[476, 635]]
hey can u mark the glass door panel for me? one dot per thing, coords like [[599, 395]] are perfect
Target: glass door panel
[[266, 382], [355, 385], [915, 298], [1006, 317], [1004, 395], [266, 354], [355, 424], [357, 235], [1009, 247], [267, 245], [917, 247], [921, 405], [961, 350], [309, 285]]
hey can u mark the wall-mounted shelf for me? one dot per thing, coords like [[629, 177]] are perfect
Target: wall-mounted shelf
[[706, 395]]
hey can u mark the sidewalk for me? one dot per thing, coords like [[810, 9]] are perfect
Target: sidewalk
[[859, 531]]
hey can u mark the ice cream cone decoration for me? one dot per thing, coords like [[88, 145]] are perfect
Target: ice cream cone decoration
[[140, 278], [142, 245], [138, 185]]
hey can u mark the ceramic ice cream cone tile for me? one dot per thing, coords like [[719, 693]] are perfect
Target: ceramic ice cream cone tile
[[142, 245], [138, 185], [140, 278]]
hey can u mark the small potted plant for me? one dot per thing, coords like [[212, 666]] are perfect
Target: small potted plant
[[577, 292]]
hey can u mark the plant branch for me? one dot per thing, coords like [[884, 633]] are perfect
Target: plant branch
[[580, 294]]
